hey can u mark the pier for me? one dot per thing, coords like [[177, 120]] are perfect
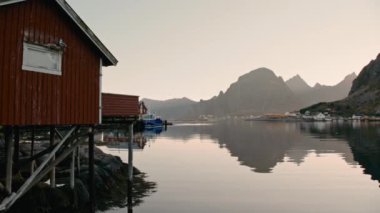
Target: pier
[[51, 106]]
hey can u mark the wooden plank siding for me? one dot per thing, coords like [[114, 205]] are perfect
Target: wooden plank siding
[[33, 98], [116, 105]]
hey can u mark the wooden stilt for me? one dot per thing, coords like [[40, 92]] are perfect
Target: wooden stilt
[[16, 155], [32, 151], [52, 142], [130, 154], [72, 169], [60, 136], [78, 160], [130, 169], [130, 198], [91, 178], [7, 203], [9, 165]]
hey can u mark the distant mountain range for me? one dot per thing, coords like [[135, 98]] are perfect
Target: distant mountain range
[[364, 96], [257, 92], [177, 108], [319, 93]]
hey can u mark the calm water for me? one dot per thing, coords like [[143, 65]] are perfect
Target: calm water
[[261, 167]]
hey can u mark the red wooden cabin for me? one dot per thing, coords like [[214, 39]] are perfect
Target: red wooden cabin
[[120, 106], [50, 74], [50, 65]]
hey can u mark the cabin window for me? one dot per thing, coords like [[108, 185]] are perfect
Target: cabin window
[[42, 59]]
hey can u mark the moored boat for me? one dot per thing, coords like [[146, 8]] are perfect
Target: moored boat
[[152, 121]]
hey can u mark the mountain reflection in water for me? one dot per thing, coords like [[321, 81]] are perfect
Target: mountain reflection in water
[[239, 166], [363, 139], [262, 145]]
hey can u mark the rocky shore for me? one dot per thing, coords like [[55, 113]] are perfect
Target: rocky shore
[[111, 187]]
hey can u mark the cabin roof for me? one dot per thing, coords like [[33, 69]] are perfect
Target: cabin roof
[[107, 57]]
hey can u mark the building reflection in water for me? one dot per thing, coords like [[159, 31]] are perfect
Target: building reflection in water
[[118, 140]]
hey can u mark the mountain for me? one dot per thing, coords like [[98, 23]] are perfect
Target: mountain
[[364, 96], [171, 109], [298, 85], [257, 92], [320, 93]]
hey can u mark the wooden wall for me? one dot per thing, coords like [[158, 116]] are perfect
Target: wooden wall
[[114, 105], [32, 98]]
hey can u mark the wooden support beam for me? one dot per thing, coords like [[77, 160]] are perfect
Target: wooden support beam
[[130, 197], [91, 162], [52, 143], [60, 136], [58, 160], [130, 169], [130, 154], [8, 202], [78, 160], [16, 155], [72, 168], [32, 150], [9, 162], [22, 162]]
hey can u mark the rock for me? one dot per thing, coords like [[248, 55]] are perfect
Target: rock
[[111, 184], [3, 192]]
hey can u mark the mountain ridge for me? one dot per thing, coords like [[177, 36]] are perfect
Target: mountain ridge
[[364, 95], [259, 91]]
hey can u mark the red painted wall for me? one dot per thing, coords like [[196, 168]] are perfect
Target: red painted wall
[[114, 105], [32, 98]]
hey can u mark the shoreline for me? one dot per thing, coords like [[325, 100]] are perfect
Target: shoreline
[[112, 187]]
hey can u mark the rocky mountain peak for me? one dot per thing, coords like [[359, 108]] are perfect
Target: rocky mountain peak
[[369, 77], [350, 77], [317, 85], [297, 84], [261, 73]]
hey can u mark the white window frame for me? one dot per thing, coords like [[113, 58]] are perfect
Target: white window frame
[[6, 2], [28, 67]]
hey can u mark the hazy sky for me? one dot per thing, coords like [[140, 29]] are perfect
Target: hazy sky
[[195, 48]]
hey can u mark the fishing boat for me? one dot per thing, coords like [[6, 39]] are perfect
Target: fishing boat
[[152, 121]]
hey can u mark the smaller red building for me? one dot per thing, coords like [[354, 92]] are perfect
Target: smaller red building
[[120, 106]]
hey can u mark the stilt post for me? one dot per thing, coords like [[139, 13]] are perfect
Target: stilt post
[[52, 142], [130, 169], [130, 198], [72, 169], [130, 154], [32, 150], [91, 178], [9, 154], [78, 159], [16, 155]]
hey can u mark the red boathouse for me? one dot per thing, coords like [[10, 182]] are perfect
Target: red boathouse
[[50, 79], [117, 106], [50, 65]]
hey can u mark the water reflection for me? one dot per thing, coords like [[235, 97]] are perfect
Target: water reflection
[[136, 190], [262, 145], [363, 139], [298, 167], [118, 138]]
